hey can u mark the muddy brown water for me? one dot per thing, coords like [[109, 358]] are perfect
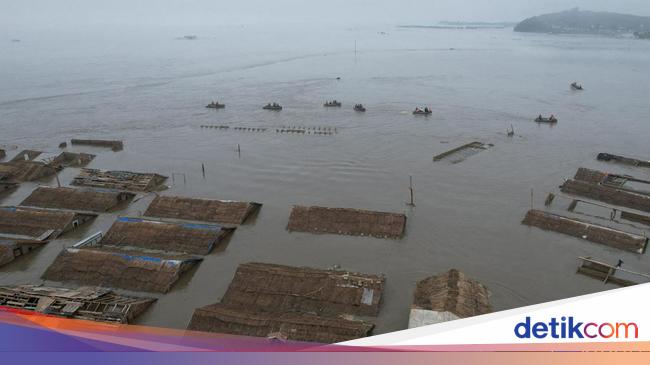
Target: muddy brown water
[[467, 215]]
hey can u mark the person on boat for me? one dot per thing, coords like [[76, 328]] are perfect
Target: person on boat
[[552, 117], [426, 109], [620, 264], [540, 117]]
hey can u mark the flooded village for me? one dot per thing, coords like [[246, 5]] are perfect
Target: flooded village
[[281, 201]]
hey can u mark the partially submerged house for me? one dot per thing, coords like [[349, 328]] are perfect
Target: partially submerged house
[[112, 144], [447, 297], [459, 154], [294, 303], [623, 160], [198, 239], [28, 170], [119, 180], [12, 248], [608, 273], [89, 263], [93, 304], [83, 199], [588, 231], [204, 210], [610, 195], [72, 159], [345, 221], [39, 224]]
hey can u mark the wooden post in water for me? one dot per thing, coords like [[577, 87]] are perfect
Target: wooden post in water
[[203, 169], [238, 150], [412, 202], [531, 198], [58, 183]]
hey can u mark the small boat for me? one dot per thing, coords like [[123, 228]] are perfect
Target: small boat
[[551, 119], [333, 103], [576, 86], [215, 105], [425, 111], [359, 108], [272, 106]]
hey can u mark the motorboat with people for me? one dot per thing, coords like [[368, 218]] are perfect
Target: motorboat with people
[[576, 86], [422, 111], [551, 119], [359, 108], [215, 105], [272, 106], [333, 103]]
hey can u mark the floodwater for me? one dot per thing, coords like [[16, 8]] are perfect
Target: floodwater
[[149, 89]]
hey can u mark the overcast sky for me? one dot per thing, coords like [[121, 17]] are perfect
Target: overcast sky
[[55, 13]]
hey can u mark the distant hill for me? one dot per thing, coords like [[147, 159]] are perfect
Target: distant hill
[[576, 21]]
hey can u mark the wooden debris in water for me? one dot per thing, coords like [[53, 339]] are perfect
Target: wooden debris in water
[[119, 180], [608, 273], [93, 304], [77, 199], [345, 221], [204, 210], [293, 303], [459, 154], [588, 231], [112, 144], [623, 160]]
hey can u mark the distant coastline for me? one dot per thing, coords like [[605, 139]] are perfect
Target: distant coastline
[[576, 21], [461, 25]]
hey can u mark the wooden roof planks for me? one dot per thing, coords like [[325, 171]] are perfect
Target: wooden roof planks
[[112, 144], [345, 221], [205, 210], [119, 180], [623, 160], [591, 232], [610, 195], [83, 303]]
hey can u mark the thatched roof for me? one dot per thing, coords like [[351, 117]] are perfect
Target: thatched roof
[[591, 176], [197, 239], [93, 200], [71, 159], [608, 195], [270, 287], [38, 223], [347, 221], [26, 155], [25, 170], [10, 249], [591, 232], [205, 210], [126, 269], [293, 326], [119, 180], [82, 303], [295, 303], [452, 292]]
